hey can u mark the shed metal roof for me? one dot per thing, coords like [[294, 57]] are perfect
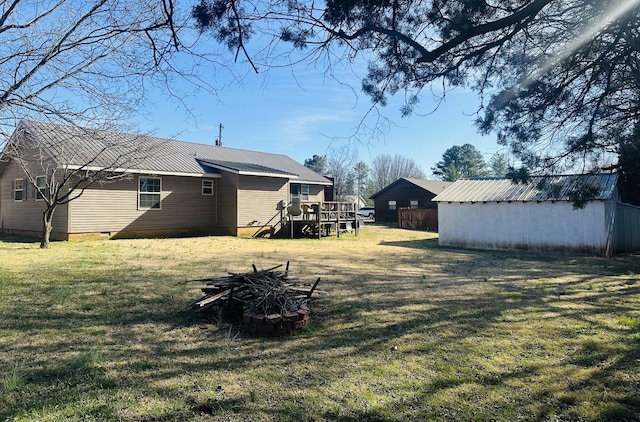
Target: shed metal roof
[[171, 157], [537, 189]]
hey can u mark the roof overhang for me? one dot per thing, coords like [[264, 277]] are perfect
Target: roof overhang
[[307, 182], [254, 173], [246, 169], [143, 171]]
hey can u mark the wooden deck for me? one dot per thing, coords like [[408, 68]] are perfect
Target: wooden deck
[[318, 219]]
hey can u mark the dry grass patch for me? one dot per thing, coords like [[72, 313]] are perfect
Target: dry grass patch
[[409, 331]]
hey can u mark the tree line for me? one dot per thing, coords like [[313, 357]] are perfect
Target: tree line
[[352, 176]]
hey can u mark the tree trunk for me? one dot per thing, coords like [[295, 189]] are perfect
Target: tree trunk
[[47, 226]]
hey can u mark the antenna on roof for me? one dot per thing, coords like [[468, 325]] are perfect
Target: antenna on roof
[[219, 140]]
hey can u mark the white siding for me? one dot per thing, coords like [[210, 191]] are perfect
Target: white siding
[[529, 225]]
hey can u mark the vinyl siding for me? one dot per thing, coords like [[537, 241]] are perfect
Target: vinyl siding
[[25, 216], [258, 199], [114, 208], [316, 193], [227, 204]]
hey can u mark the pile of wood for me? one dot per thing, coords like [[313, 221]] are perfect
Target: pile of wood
[[260, 292]]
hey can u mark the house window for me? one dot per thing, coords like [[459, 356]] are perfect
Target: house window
[[392, 205], [413, 204], [41, 183], [300, 191], [207, 187], [149, 190], [18, 190]]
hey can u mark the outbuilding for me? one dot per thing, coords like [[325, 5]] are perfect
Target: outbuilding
[[496, 213], [406, 193]]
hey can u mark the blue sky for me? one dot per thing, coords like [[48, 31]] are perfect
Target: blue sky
[[301, 113]]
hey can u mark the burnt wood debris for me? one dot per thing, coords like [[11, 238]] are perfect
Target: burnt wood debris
[[269, 302]]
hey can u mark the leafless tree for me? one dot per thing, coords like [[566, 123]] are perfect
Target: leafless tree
[[386, 169], [67, 160], [91, 62], [88, 64], [341, 161]]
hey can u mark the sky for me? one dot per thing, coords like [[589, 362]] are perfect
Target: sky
[[299, 113]]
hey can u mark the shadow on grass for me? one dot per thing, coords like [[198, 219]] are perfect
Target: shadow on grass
[[413, 244], [454, 316]]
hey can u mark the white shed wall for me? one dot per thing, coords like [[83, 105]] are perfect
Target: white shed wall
[[528, 225]]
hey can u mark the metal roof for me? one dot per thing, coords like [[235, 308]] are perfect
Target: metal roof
[[433, 186], [538, 188], [246, 168], [77, 146]]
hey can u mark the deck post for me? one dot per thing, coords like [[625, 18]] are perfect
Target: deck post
[[319, 219], [355, 217], [291, 225]]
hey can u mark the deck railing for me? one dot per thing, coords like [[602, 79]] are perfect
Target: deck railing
[[323, 217]]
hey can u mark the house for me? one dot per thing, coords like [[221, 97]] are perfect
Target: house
[[406, 193], [496, 213], [181, 188]]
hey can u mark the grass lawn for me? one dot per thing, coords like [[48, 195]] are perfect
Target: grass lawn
[[408, 331]]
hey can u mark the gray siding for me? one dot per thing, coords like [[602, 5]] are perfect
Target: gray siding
[[114, 208]]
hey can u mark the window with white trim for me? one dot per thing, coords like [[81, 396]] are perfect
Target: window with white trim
[[18, 190], [392, 205], [149, 189], [207, 187], [413, 204], [41, 183], [300, 191]]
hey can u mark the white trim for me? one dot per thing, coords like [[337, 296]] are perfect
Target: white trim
[[207, 187], [253, 173], [37, 187], [201, 175], [152, 193], [22, 190], [139, 171]]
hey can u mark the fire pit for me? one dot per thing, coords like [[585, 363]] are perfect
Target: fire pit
[[281, 324], [268, 302]]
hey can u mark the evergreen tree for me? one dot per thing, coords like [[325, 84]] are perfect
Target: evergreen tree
[[460, 162]]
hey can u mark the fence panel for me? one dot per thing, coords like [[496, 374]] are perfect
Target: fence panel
[[418, 219], [627, 228]]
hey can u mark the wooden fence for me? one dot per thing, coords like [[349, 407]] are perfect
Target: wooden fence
[[418, 219]]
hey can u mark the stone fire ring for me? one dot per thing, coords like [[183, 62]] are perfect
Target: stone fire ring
[[276, 325]]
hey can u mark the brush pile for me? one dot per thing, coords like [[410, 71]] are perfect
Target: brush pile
[[269, 302]]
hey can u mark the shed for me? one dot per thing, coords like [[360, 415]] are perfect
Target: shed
[[406, 193], [496, 213]]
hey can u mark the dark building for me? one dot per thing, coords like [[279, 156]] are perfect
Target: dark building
[[406, 193]]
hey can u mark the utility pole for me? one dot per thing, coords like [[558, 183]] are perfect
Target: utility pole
[[219, 140]]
